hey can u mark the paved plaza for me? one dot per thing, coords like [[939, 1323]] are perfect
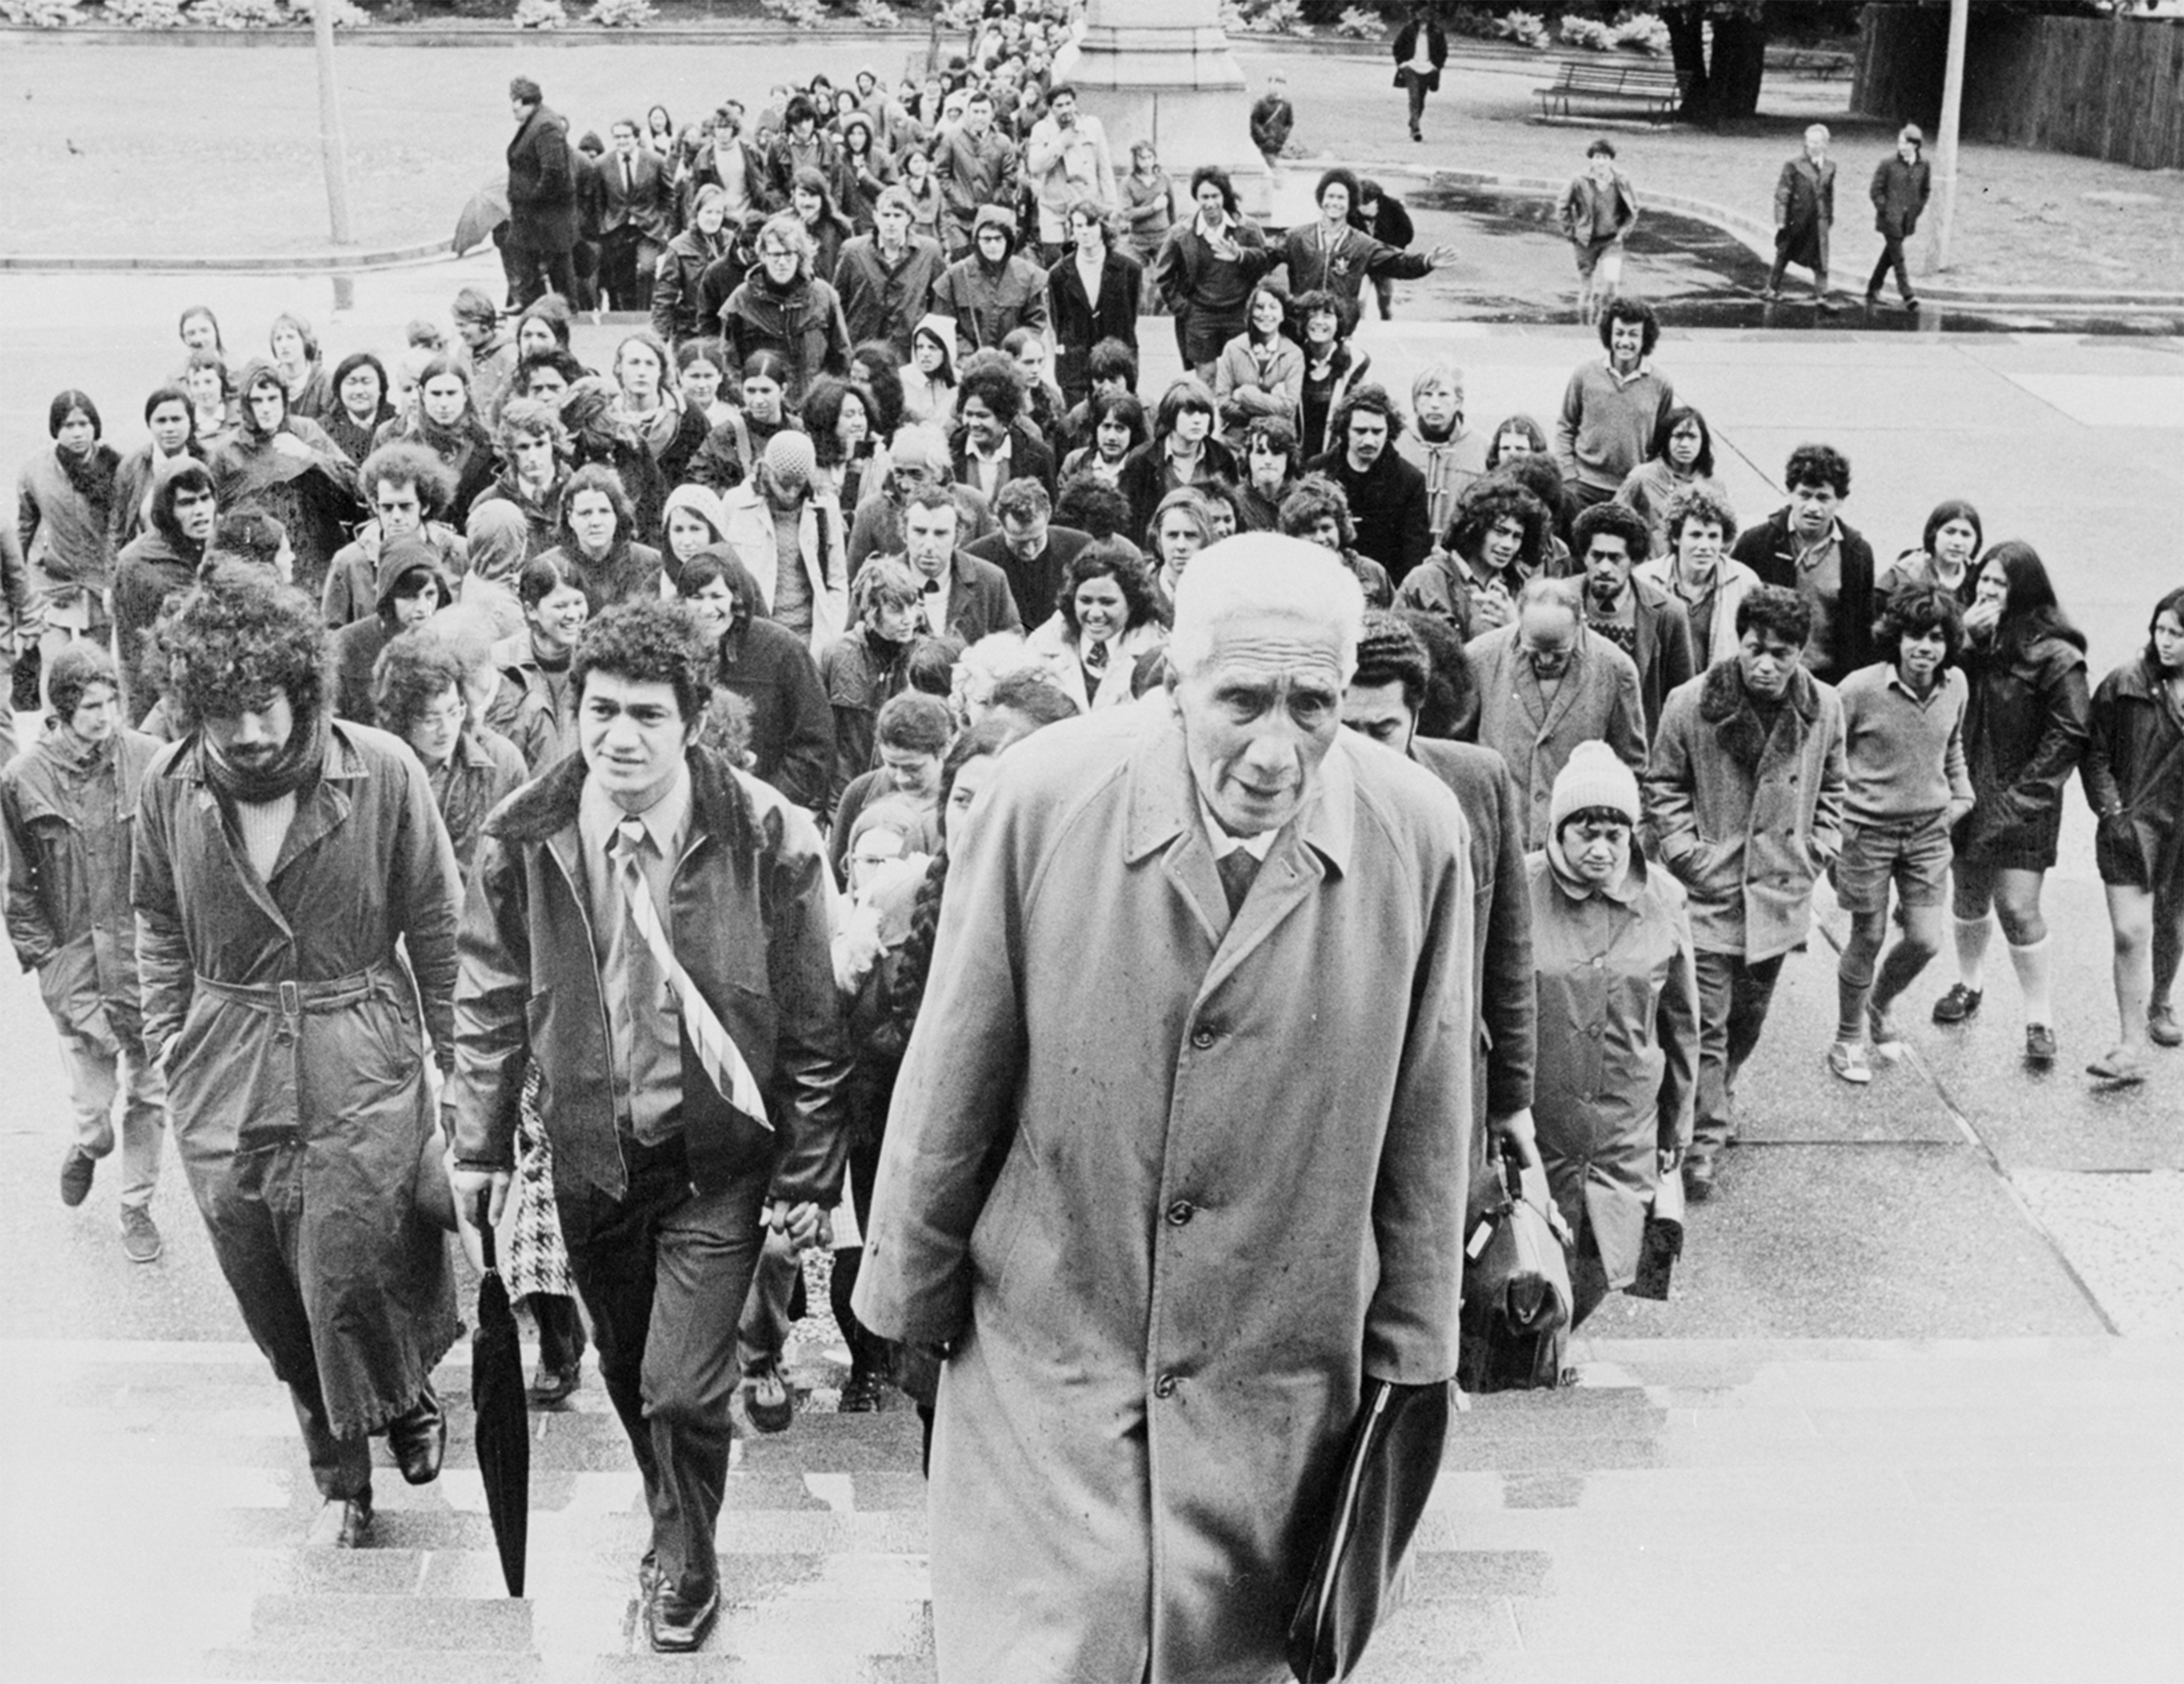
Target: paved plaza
[[1911, 1414]]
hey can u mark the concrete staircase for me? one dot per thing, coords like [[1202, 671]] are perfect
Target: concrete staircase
[[1695, 1510]]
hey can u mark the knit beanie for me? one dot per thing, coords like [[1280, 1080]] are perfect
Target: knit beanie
[[1593, 778], [790, 459]]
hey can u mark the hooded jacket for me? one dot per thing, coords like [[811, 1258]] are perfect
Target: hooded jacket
[[991, 300], [153, 568], [356, 646], [70, 809]]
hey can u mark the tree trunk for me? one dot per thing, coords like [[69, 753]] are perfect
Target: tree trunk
[[1687, 51], [1740, 63]]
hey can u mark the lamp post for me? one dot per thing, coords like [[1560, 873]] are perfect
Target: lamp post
[[332, 148], [1953, 110]]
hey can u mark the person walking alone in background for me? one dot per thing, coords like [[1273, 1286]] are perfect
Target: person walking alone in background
[[1596, 212], [1421, 49], [1900, 188], [1272, 117], [1804, 212]]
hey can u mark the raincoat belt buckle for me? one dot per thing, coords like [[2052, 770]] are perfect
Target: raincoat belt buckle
[[292, 1011]]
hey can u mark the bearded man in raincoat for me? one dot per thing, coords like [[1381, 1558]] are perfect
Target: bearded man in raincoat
[[286, 863]]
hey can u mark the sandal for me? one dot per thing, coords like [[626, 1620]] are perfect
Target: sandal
[[2119, 1067]]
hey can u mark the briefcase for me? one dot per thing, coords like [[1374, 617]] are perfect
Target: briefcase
[[1361, 1570], [1514, 1329]]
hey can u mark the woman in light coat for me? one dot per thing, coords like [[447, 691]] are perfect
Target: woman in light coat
[[1106, 618], [1618, 1030], [1261, 372]]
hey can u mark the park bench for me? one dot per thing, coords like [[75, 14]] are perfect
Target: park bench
[[1657, 89]]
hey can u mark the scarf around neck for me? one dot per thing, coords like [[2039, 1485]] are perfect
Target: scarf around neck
[[292, 772]]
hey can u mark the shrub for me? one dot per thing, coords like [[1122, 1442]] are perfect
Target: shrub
[[1270, 17], [238, 15], [962, 16], [146, 13], [1526, 28], [621, 13], [1358, 22], [1641, 32], [878, 14], [794, 13], [541, 14], [1588, 33], [40, 13]]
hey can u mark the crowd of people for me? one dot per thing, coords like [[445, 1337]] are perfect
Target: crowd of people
[[467, 776]]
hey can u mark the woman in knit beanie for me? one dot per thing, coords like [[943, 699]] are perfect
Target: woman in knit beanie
[[1617, 1046]]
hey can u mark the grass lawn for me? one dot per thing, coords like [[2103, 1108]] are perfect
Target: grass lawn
[[163, 149]]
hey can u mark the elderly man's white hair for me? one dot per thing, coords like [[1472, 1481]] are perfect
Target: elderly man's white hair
[[919, 442], [1256, 575]]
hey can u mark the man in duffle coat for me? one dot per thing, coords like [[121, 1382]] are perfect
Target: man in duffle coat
[[1202, 991]]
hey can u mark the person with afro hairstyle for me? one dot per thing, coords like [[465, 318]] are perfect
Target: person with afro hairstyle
[[1612, 409], [1636, 614], [1805, 546], [296, 901]]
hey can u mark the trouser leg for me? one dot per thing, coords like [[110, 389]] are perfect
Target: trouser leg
[[1383, 289], [561, 274], [144, 1125], [867, 1350], [1733, 1001], [618, 267], [707, 1250], [341, 1467], [94, 1079], [1588, 1276], [1416, 88], [1753, 994], [611, 1257]]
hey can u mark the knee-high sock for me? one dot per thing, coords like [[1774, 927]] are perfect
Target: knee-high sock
[[2031, 964], [1972, 937]]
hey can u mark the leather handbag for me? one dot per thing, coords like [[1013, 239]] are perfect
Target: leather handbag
[[1664, 1240], [1361, 1569], [1515, 1324]]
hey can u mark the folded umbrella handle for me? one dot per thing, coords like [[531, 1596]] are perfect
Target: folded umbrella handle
[[479, 1220]]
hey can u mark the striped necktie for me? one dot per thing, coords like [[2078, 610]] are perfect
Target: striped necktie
[[723, 1061]]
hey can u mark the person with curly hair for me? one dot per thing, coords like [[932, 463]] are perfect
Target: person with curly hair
[[421, 691], [672, 1161], [534, 447], [1697, 569], [409, 489], [1612, 409], [1317, 511], [869, 666], [1498, 539], [992, 445], [1106, 618], [296, 901], [784, 307]]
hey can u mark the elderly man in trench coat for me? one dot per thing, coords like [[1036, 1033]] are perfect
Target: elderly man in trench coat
[[1177, 1161]]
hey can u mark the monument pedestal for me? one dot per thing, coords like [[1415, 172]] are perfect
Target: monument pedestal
[[1161, 71]]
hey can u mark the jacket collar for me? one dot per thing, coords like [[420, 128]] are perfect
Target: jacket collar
[[549, 804], [1724, 695]]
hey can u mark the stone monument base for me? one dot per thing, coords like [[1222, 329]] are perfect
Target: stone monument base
[[1176, 84]]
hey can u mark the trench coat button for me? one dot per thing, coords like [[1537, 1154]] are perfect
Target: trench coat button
[[1205, 1035], [1181, 1211], [1164, 1386]]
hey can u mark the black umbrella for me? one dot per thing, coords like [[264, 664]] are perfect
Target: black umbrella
[[503, 1415]]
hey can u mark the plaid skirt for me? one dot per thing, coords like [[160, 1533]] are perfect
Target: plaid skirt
[[537, 1261]]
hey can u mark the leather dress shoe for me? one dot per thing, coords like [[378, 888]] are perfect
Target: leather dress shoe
[[675, 1624], [550, 1385], [345, 1523], [419, 1439]]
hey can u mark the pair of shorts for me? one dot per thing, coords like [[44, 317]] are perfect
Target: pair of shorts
[[1912, 852], [1590, 253]]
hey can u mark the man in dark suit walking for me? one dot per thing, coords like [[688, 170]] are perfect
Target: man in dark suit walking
[[636, 220], [1900, 189], [1032, 552], [542, 199], [1421, 49]]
